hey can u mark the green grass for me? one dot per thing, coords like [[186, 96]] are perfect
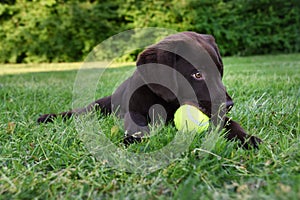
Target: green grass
[[51, 161]]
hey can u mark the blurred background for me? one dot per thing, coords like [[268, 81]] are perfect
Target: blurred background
[[35, 31]]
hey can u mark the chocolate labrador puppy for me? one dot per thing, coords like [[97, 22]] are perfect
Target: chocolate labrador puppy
[[182, 68]]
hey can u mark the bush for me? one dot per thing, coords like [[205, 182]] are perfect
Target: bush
[[54, 31], [240, 27], [65, 30]]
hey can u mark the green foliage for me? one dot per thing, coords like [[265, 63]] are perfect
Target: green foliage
[[66, 30], [54, 30], [240, 27]]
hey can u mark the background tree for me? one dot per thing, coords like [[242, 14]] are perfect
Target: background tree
[[66, 30]]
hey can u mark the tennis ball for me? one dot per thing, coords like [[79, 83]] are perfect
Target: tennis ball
[[190, 118]]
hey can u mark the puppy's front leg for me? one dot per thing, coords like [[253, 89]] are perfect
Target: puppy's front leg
[[136, 126], [235, 131]]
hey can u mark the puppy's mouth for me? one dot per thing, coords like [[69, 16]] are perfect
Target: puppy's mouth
[[206, 107], [200, 107]]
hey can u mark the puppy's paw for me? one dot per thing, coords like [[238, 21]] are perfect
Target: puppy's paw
[[46, 118], [252, 141], [134, 138]]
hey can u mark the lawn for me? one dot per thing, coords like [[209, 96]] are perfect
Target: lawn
[[52, 161]]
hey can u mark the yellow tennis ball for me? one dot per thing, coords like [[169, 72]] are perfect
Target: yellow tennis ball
[[190, 118]]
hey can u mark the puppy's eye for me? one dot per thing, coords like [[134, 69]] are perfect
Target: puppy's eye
[[197, 75]]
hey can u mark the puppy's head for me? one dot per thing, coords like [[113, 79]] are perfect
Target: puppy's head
[[186, 67]]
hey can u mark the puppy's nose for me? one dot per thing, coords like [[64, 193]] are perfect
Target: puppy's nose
[[229, 104]]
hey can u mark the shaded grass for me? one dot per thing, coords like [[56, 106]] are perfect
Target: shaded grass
[[51, 161]]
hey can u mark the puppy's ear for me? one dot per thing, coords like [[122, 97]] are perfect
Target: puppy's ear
[[147, 56], [214, 52], [208, 44], [156, 68]]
